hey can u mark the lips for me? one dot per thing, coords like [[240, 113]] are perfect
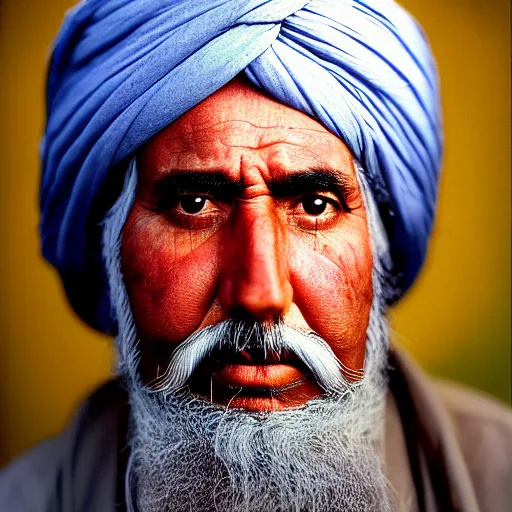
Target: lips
[[253, 371], [266, 376], [254, 379]]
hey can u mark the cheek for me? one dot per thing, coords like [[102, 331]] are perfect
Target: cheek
[[170, 291], [332, 283]]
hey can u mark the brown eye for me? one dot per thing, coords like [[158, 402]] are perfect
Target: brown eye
[[314, 205], [192, 204]]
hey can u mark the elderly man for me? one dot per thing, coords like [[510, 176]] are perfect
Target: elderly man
[[239, 190]]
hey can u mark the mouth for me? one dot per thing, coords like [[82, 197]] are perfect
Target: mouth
[[256, 369], [254, 380], [273, 378]]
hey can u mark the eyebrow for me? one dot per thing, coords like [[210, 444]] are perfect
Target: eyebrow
[[313, 180], [214, 183], [224, 188]]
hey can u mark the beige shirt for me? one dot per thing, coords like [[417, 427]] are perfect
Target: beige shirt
[[445, 447]]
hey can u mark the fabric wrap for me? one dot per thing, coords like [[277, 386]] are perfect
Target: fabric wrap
[[122, 70]]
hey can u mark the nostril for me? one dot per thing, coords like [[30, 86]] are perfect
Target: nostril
[[240, 313], [252, 315]]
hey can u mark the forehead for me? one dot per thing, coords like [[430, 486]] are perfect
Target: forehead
[[239, 120]]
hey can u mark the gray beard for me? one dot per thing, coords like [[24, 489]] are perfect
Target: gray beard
[[188, 454]]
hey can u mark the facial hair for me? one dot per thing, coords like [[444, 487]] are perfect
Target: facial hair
[[188, 454]]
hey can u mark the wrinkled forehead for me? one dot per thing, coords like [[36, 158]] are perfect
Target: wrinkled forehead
[[239, 119], [239, 99]]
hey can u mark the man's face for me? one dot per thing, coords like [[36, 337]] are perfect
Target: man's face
[[246, 208]]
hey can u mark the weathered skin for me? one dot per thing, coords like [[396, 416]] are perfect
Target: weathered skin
[[259, 255]]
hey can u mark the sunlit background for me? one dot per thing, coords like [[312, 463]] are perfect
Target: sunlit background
[[456, 320]]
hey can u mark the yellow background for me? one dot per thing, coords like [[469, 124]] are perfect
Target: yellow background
[[456, 321]]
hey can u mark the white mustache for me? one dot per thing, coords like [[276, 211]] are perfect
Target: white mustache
[[237, 336]]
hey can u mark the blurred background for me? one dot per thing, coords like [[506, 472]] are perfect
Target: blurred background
[[456, 319]]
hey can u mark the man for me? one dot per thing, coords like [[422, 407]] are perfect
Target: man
[[239, 190]]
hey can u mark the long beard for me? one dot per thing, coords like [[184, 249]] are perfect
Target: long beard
[[189, 454]]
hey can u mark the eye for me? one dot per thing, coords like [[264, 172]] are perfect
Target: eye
[[314, 205], [192, 204], [195, 212], [314, 212]]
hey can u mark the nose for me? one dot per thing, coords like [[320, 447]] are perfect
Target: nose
[[254, 280]]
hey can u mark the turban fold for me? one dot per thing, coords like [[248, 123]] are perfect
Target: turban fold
[[122, 70]]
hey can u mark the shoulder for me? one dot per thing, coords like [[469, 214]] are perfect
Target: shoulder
[[78, 467], [29, 483], [477, 417], [483, 427], [461, 440]]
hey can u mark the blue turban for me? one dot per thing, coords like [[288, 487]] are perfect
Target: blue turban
[[122, 70]]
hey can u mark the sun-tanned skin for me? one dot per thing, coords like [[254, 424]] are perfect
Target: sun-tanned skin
[[248, 208]]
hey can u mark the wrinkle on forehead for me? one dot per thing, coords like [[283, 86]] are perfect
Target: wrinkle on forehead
[[267, 151], [239, 120], [244, 134], [239, 100]]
